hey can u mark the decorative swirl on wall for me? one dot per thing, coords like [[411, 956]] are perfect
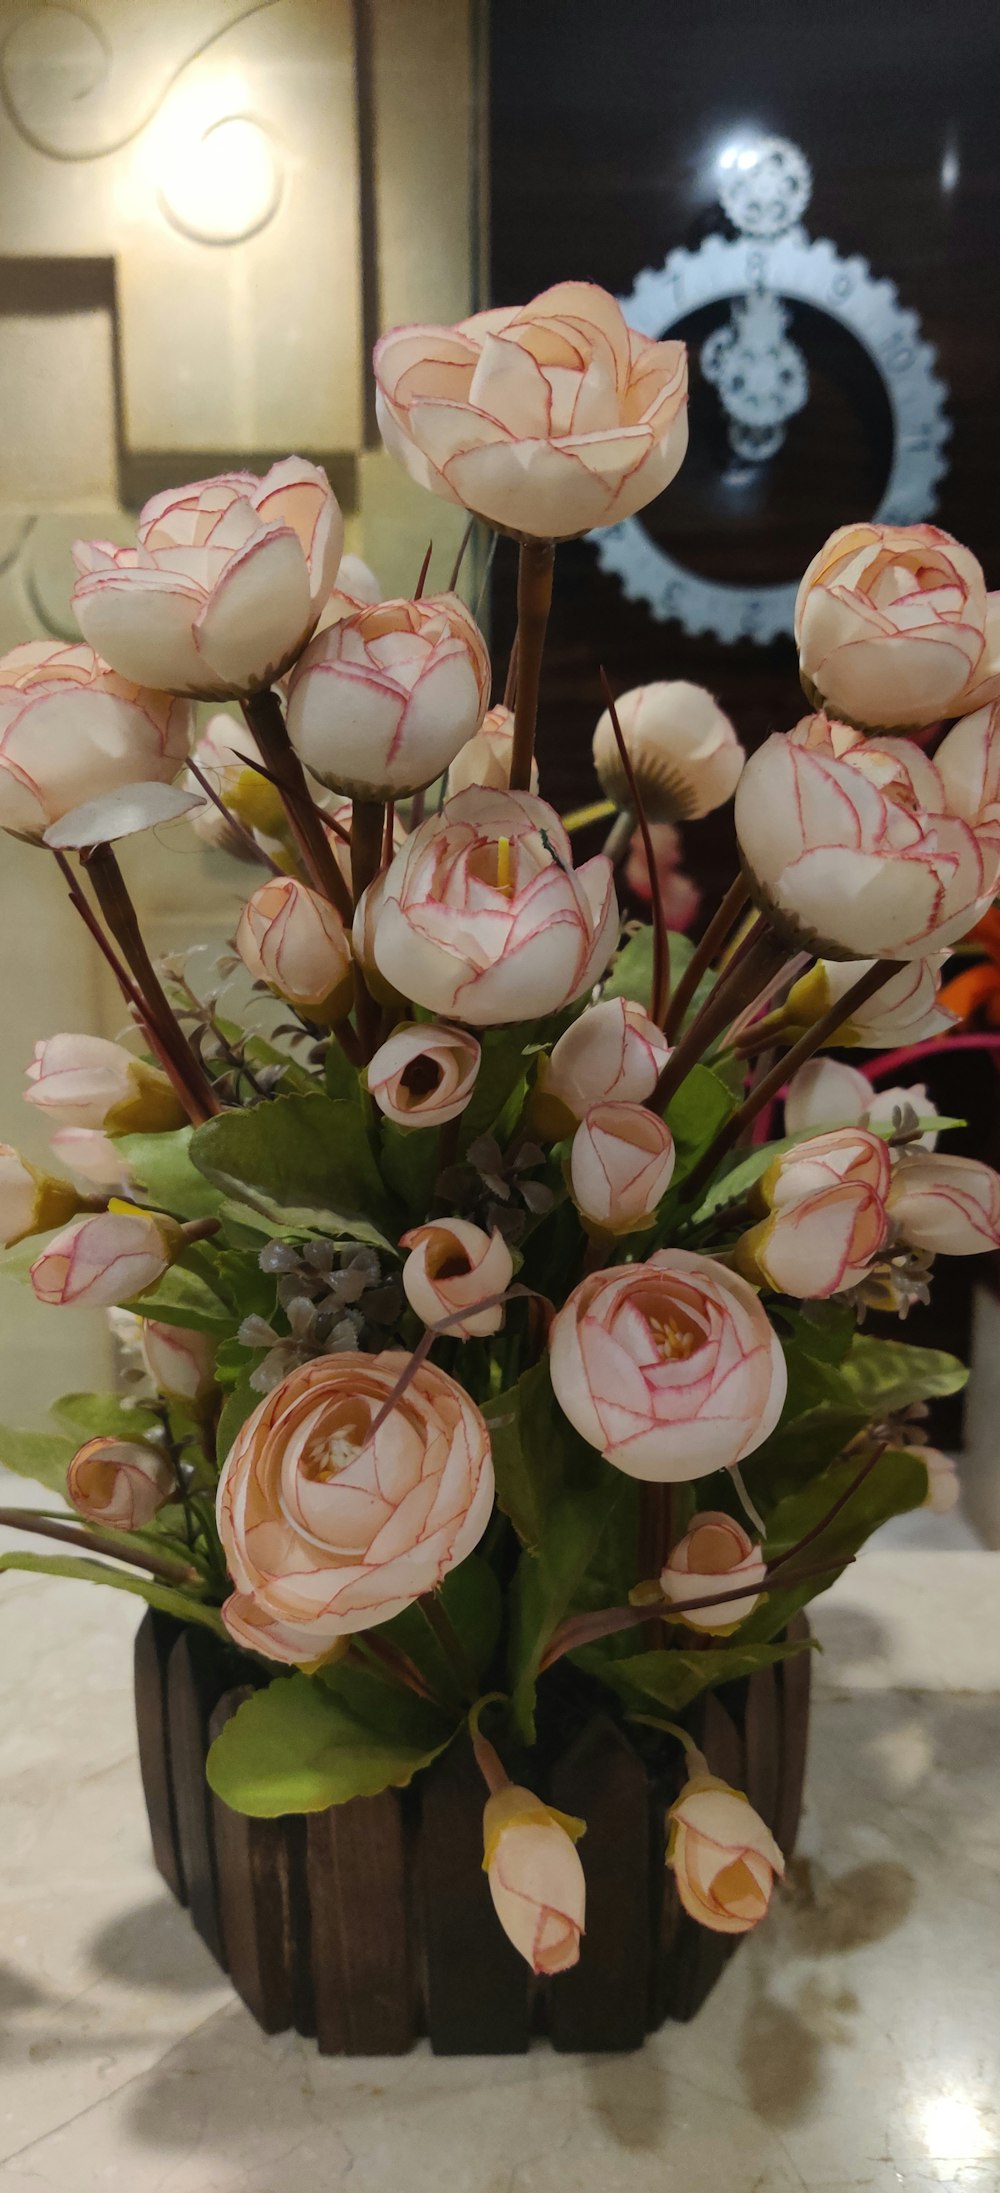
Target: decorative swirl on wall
[[223, 185]]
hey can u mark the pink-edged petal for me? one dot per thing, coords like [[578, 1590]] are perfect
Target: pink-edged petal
[[259, 615], [141, 622]]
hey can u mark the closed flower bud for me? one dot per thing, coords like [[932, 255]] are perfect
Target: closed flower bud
[[451, 1266], [826, 1093], [714, 1554], [944, 1486], [111, 1257], [30, 1201], [685, 754], [620, 1167], [536, 1880], [485, 759], [91, 1155], [904, 1011], [381, 702], [892, 624], [723, 1857], [121, 1483], [613, 1053], [295, 941], [85, 1081], [949, 1206], [826, 1201], [72, 731], [180, 1362], [424, 1075]]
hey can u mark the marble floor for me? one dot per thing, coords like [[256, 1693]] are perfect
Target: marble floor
[[853, 2044]]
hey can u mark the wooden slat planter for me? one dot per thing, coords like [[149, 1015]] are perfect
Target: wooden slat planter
[[371, 1924]]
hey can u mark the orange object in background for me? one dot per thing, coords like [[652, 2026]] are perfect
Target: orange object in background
[[975, 993]]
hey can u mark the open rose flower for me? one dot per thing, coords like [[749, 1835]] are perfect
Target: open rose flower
[[545, 419], [895, 627], [620, 1166], [108, 1258], [85, 1081], [452, 1266], [613, 1054], [120, 1482], [381, 702], [826, 1093], [827, 1217], [424, 1075], [72, 731], [947, 1205], [30, 1201], [225, 585], [295, 941], [685, 754], [856, 845], [723, 1857], [481, 916], [180, 1362], [671, 1367], [714, 1555], [535, 1876], [331, 1525], [486, 759]]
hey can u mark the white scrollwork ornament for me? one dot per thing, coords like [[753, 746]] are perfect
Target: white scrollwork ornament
[[762, 380]]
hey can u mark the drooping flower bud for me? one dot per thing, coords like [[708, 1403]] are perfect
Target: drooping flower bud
[[111, 1257], [453, 1265], [684, 752], [91, 1155], [180, 1362], [723, 1857], [30, 1201], [85, 1081], [536, 1880]]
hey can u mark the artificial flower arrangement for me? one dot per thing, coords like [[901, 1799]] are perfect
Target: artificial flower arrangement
[[485, 1319]]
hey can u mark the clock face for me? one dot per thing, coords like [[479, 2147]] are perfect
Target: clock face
[[813, 397]]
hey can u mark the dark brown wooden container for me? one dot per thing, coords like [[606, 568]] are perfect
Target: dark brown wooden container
[[371, 1924]]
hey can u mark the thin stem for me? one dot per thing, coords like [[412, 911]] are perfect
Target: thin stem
[[661, 954], [69, 1534], [424, 568], [112, 896], [239, 829], [460, 558], [743, 1033], [695, 1757], [534, 600], [510, 682], [788, 1065], [723, 920], [265, 720], [588, 1629], [489, 1762], [752, 967], [367, 825], [739, 1487], [397, 1664]]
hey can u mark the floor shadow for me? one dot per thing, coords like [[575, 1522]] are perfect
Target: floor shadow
[[154, 1946], [833, 1912], [781, 2059], [630, 2096]]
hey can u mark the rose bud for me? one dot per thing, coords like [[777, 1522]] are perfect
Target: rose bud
[[485, 759], [333, 1521], [90, 1155], [295, 941], [71, 730], [714, 1554], [944, 1486], [536, 1880], [452, 1265], [671, 1368], [949, 1206], [685, 754], [226, 583], [85, 1081], [904, 1011], [121, 1483], [723, 1857], [30, 1201], [827, 1219], [544, 420], [108, 1258], [613, 1053], [424, 1075], [826, 1093], [225, 754], [824, 1161], [180, 1362], [891, 623], [853, 844], [481, 917], [620, 1166], [380, 704]]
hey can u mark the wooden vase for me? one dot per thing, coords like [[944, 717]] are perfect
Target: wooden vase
[[371, 1924]]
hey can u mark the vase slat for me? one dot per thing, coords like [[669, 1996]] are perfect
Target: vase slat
[[762, 1736], [361, 1966], [796, 1686], [154, 1640], [263, 1906], [193, 1687], [477, 1988], [601, 2004]]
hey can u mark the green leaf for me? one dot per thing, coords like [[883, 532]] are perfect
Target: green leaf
[[886, 1375], [472, 1601], [410, 1166], [502, 1069], [184, 1297], [897, 1483], [162, 1169], [671, 1677], [302, 1159], [632, 973], [547, 1582], [162, 1596], [240, 1403], [694, 1115], [531, 1442], [102, 1415], [43, 1456], [340, 1078], [311, 1741]]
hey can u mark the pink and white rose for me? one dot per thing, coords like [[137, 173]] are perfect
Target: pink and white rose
[[72, 731], [826, 1093], [424, 1075], [895, 627], [535, 1876], [949, 1206], [714, 1555], [485, 759], [180, 1361], [613, 1054], [382, 701], [826, 1201], [451, 1267], [121, 1483], [620, 1165], [295, 941], [111, 1257]]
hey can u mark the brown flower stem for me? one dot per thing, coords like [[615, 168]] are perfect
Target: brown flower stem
[[752, 967], [460, 558], [70, 1534], [534, 600], [422, 574], [661, 953], [808, 1538], [510, 682], [112, 896], [436, 1614], [726, 915], [367, 829], [388, 834], [397, 1664], [588, 1629], [265, 720], [130, 993], [787, 1065], [199, 1229]]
